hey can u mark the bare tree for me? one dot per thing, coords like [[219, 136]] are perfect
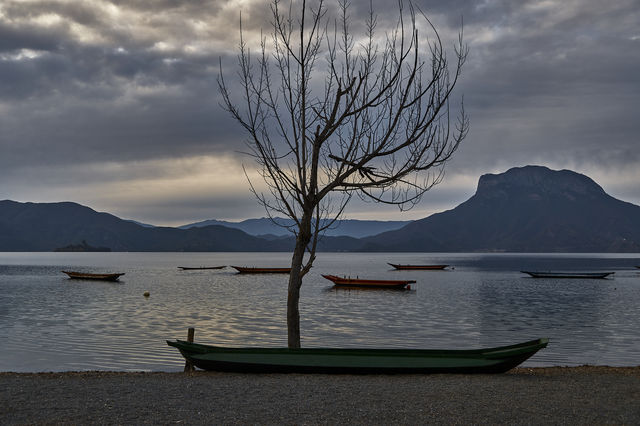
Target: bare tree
[[330, 115]]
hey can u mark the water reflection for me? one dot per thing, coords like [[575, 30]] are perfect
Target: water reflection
[[48, 322]]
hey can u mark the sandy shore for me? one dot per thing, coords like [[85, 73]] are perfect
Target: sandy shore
[[577, 395]]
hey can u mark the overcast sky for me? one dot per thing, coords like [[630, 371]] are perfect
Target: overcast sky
[[114, 104]]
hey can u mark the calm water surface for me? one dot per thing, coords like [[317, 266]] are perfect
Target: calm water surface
[[51, 323]]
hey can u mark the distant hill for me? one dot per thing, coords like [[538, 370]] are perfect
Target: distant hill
[[527, 209], [145, 225], [266, 228], [47, 226], [82, 247]]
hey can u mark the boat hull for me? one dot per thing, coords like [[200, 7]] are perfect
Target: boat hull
[[247, 270], [355, 282], [193, 268], [88, 276], [357, 361], [583, 275], [419, 267]]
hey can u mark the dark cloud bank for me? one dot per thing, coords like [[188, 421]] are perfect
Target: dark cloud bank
[[554, 83]]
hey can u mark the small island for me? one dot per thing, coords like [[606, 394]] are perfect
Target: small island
[[82, 247]]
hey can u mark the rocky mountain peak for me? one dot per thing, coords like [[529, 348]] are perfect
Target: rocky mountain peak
[[537, 181]]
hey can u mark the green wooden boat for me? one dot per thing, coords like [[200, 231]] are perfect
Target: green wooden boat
[[357, 361]]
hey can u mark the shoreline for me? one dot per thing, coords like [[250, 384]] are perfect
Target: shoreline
[[582, 394], [558, 369]]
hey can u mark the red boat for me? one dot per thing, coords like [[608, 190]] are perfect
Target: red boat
[[248, 270], [426, 267], [356, 282]]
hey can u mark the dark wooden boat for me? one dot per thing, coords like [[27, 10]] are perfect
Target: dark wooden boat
[[357, 361], [356, 282], [424, 267], [88, 276], [568, 274], [248, 270], [191, 268]]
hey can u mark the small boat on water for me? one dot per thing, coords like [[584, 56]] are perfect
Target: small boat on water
[[568, 274], [88, 276], [423, 267], [357, 282], [253, 270], [358, 361], [192, 268]]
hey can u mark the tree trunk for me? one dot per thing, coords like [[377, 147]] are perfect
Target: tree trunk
[[295, 282]]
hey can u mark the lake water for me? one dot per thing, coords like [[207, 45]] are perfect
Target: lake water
[[51, 323]]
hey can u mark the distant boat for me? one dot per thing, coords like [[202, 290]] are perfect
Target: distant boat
[[88, 276], [252, 270], [356, 282], [425, 267], [189, 268], [568, 274], [361, 361]]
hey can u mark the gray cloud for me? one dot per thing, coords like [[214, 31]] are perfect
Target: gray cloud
[[194, 210], [558, 89], [554, 83]]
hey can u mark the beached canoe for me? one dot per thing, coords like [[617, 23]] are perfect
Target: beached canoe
[[356, 282], [568, 274], [357, 361], [88, 276], [248, 270], [190, 268], [423, 267]]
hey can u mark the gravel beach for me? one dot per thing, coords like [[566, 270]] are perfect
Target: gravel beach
[[560, 395]]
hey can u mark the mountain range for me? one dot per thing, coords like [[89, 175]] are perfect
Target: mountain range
[[526, 209], [278, 227], [49, 226]]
